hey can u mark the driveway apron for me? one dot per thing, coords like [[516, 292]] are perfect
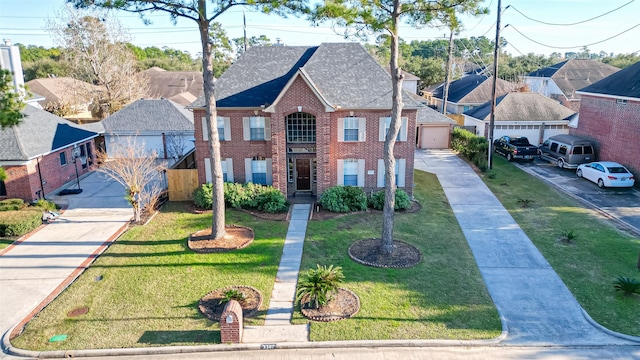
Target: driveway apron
[[32, 269], [535, 305]]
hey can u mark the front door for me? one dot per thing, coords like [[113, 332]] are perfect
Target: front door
[[303, 174]]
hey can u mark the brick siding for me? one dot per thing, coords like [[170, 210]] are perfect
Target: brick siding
[[328, 149], [614, 128]]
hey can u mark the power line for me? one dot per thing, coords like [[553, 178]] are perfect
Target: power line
[[572, 47], [568, 24]]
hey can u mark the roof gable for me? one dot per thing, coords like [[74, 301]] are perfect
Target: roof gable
[[150, 115], [473, 89], [575, 74], [625, 83], [39, 133]]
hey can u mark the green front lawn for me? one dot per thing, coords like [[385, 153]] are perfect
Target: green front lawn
[[443, 297], [151, 284], [589, 266]]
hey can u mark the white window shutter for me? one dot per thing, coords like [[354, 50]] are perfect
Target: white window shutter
[[340, 130], [230, 169], [269, 171], [362, 129], [205, 129], [361, 172], [382, 128], [227, 131], [267, 129], [208, 177], [403, 130], [402, 168], [248, 174], [380, 173], [340, 172], [246, 129]]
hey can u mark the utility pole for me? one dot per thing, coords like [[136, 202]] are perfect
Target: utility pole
[[447, 74], [244, 27], [492, 118]]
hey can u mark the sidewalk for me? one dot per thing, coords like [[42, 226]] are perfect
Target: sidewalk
[[534, 304], [45, 262]]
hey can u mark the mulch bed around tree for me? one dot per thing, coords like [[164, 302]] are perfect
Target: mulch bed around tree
[[237, 237], [343, 305], [366, 252], [211, 307]]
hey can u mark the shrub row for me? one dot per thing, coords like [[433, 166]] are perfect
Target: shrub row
[[471, 146], [19, 222], [12, 204], [248, 196], [344, 199]]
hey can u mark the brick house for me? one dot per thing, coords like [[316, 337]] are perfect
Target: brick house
[[610, 115], [43, 153], [304, 119], [561, 81]]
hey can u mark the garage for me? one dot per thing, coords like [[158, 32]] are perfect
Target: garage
[[434, 129]]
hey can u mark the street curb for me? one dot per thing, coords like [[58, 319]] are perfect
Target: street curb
[[607, 331]]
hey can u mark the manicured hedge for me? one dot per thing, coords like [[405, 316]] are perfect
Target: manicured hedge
[[12, 204], [473, 147], [19, 222], [248, 196], [403, 202], [344, 199]]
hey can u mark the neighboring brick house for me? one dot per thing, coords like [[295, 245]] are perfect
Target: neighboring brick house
[[561, 81], [610, 115], [304, 119], [39, 154], [468, 92], [521, 114]]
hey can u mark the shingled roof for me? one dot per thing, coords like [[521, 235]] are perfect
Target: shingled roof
[[624, 83], [473, 89], [62, 89], [571, 75], [39, 133], [522, 106], [343, 75], [149, 115], [167, 84]]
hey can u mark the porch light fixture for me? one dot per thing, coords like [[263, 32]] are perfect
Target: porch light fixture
[[299, 108]]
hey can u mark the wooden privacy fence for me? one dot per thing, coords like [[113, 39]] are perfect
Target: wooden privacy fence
[[181, 183]]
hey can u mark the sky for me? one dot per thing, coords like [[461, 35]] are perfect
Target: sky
[[568, 27]]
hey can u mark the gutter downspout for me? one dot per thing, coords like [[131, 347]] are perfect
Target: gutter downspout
[[40, 177]]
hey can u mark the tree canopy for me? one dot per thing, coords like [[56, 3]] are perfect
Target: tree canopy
[[11, 103]]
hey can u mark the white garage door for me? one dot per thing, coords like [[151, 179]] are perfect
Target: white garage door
[[434, 137]]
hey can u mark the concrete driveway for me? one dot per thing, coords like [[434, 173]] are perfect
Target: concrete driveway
[[620, 203], [37, 268]]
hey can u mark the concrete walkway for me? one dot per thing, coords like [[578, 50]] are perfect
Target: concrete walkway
[[535, 305], [277, 326], [43, 263]]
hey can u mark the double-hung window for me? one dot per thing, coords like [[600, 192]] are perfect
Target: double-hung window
[[350, 129], [351, 172], [256, 128], [385, 123], [223, 124], [259, 172], [220, 126], [63, 158], [400, 171], [227, 170]]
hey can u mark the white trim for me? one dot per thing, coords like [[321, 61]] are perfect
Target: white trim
[[340, 172], [380, 181], [402, 169], [205, 131], [607, 96], [227, 129], [269, 171], [360, 172], [362, 129], [267, 129], [340, 129], [230, 177], [208, 176], [246, 129], [248, 174]]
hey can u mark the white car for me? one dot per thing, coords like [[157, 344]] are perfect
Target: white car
[[606, 174]]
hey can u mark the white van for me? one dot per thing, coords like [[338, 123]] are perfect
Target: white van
[[567, 151]]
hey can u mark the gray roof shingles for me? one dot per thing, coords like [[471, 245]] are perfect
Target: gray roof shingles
[[39, 133], [522, 106], [571, 75], [344, 74], [625, 82], [473, 89], [149, 115]]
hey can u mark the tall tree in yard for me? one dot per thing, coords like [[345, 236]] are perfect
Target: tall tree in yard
[[364, 17], [203, 15], [11, 103]]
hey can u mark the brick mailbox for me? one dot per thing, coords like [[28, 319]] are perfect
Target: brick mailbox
[[231, 323]]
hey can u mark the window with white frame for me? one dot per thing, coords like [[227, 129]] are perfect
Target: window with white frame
[[223, 124], [400, 170], [256, 128], [259, 172], [227, 170], [350, 172], [385, 123], [352, 129]]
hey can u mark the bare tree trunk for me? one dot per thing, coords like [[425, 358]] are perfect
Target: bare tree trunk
[[390, 141], [217, 198]]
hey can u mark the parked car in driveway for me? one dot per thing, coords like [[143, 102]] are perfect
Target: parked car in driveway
[[606, 174], [567, 151], [515, 148]]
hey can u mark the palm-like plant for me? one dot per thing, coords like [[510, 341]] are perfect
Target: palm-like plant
[[627, 285], [318, 285]]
